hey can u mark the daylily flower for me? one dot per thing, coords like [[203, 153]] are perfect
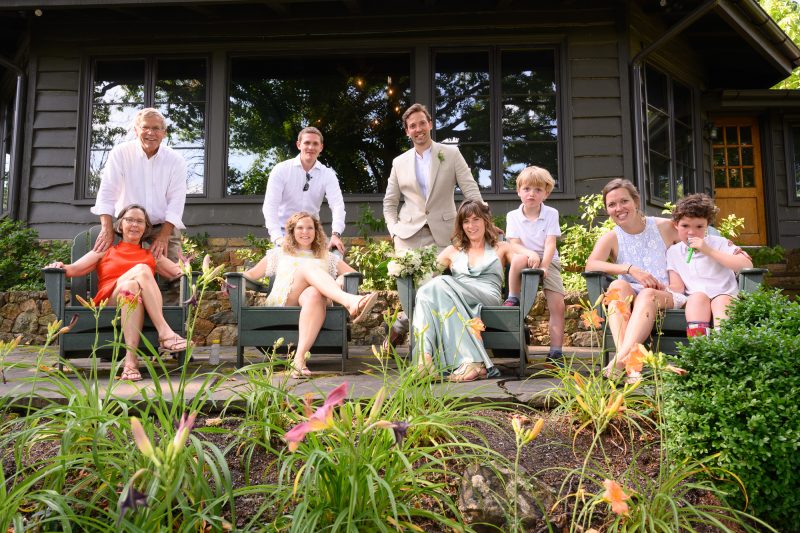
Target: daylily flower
[[226, 287], [5, 349], [130, 498], [579, 381], [185, 263], [615, 496], [591, 319], [612, 295], [68, 327], [192, 300], [130, 297], [184, 427], [621, 308], [476, 325], [399, 428], [676, 370], [524, 436], [614, 403], [321, 419], [636, 357], [142, 441]]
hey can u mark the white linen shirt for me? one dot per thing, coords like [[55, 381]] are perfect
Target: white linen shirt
[[533, 233], [422, 167], [158, 183], [285, 195], [703, 274]]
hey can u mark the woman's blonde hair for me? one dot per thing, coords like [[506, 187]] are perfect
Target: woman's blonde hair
[[320, 244], [467, 209]]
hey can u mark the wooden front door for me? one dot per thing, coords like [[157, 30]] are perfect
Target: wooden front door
[[738, 184]]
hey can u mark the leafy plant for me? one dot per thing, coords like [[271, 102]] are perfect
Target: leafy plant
[[730, 227], [22, 256], [255, 250], [764, 255], [578, 237], [367, 223], [372, 261], [738, 401]]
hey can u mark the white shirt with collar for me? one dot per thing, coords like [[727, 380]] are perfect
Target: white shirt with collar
[[158, 183], [285, 195], [533, 233], [422, 167]]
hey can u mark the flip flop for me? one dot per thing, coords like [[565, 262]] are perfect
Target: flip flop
[[365, 305], [470, 374], [176, 344], [130, 374]]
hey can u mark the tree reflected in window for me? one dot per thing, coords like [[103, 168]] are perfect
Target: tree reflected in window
[[522, 103], [178, 90], [355, 100]]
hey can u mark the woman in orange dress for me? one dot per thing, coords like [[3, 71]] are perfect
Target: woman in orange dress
[[126, 275]]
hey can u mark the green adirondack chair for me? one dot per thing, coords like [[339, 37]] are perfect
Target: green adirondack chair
[[505, 326], [78, 342], [670, 331], [262, 326]]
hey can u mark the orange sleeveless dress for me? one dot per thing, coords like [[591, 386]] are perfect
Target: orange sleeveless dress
[[119, 259]]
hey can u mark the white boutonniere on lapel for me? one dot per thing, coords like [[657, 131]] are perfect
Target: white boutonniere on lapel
[[440, 155]]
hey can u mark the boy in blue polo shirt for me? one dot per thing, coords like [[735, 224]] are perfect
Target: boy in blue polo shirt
[[535, 226]]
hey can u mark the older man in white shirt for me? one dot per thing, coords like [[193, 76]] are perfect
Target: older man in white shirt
[[144, 172], [300, 184]]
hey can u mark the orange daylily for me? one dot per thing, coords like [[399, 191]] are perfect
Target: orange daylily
[[615, 496], [612, 295], [591, 319], [635, 360], [476, 325], [620, 307]]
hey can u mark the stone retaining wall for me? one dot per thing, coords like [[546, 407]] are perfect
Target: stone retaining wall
[[27, 313]]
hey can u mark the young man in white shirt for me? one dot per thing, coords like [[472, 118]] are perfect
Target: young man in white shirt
[[300, 184], [144, 172]]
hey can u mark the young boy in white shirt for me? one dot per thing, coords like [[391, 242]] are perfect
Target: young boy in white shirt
[[702, 266], [535, 226]]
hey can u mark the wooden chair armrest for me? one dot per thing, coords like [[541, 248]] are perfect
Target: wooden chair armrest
[[750, 279], [55, 281], [531, 277], [351, 282], [596, 283]]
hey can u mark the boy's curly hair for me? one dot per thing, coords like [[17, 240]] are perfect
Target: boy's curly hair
[[696, 206]]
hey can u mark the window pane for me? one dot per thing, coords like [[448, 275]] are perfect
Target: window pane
[[517, 156], [118, 93], [659, 170], [796, 162], [477, 157], [656, 87], [356, 101], [180, 95], [682, 103], [657, 131], [461, 93]]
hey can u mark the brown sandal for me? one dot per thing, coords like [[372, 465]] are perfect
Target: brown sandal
[[365, 305], [472, 372], [175, 344], [130, 374]]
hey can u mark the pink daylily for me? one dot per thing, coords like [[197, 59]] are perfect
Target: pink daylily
[[319, 420], [184, 427]]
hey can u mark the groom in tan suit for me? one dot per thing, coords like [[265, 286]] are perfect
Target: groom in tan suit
[[425, 178]]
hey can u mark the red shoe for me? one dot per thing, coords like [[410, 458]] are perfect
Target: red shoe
[[512, 301]]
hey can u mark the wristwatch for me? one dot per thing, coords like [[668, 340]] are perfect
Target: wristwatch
[[336, 234]]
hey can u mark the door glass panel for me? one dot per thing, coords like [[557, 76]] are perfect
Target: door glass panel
[[747, 155], [749, 177], [734, 177], [719, 157], [731, 136], [733, 157], [719, 178], [747, 135]]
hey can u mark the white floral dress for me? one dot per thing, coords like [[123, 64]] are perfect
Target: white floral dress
[[281, 267]]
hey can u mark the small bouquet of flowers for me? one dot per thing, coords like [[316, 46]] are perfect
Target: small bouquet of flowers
[[419, 263]]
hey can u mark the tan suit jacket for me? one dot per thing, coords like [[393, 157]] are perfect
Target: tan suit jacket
[[448, 168]]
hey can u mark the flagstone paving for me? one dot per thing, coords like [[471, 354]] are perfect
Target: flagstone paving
[[361, 373]]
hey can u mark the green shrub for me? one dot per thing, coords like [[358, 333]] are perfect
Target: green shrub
[[367, 223], [578, 237], [22, 256], [255, 250], [764, 255], [739, 401], [372, 261]]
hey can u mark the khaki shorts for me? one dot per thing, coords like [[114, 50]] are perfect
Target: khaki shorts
[[553, 281]]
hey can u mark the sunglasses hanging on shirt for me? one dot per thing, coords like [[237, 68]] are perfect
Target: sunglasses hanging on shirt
[[308, 179]]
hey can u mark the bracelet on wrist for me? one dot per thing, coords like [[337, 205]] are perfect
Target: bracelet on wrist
[[629, 269]]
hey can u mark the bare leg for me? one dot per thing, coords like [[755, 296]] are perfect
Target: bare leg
[[132, 317], [305, 277], [555, 305], [698, 308], [518, 263], [617, 322], [151, 298], [719, 308], [643, 316], [312, 315]]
